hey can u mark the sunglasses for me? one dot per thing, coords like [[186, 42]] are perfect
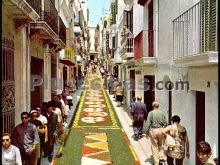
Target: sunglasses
[[5, 140], [24, 117]]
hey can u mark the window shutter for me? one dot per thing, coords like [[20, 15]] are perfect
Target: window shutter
[[113, 11], [213, 25], [208, 25]]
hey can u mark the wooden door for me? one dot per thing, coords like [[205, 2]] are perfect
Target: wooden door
[[149, 92], [36, 69], [132, 83], [200, 118], [64, 76], [169, 104]]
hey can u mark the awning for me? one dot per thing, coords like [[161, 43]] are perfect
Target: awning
[[67, 62]]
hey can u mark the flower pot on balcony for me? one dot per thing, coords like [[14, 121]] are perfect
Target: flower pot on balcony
[[128, 2]]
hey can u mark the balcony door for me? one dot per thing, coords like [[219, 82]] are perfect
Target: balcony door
[[150, 30]]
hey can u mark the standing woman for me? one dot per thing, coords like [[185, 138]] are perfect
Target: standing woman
[[181, 148]]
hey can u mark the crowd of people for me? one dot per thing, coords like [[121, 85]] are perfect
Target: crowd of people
[[168, 142], [37, 133]]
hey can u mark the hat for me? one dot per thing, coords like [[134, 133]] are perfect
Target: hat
[[33, 111]]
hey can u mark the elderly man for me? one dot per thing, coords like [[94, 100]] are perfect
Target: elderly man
[[156, 121], [139, 115]]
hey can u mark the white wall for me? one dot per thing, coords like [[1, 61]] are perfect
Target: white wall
[[138, 18], [211, 98], [84, 8], [92, 38]]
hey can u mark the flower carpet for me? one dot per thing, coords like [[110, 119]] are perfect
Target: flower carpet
[[96, 136], [95, 149]]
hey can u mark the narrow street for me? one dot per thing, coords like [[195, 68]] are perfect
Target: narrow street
[[74, 58], [100, 131]]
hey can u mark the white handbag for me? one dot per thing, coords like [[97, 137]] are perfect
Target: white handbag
[[169, 142]]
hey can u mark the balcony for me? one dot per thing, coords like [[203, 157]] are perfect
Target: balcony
[[195, 35], [127, 49], [21, 11], [69, 57], [61, 42], [46, 27], [144, 48]]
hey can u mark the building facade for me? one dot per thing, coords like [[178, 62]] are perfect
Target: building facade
[[173, 44], [38, 48]]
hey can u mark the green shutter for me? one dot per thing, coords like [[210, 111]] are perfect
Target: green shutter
[[113, 11], [213, 25], [208, 25], [116, 6]]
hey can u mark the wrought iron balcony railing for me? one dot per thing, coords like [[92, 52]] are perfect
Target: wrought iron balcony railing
[[36, 5], [49, 14], [62, 30], [195, 31]]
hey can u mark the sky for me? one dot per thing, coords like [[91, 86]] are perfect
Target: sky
[[97, 9]]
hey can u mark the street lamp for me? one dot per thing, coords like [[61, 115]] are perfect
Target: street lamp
[[128, 2]]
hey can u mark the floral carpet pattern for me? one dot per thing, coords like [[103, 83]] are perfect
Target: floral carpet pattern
[[95, 149], [95, 136], [94, 108]]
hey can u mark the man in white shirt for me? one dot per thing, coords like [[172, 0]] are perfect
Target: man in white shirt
[[10, 153], [44, 137], [60, 132]]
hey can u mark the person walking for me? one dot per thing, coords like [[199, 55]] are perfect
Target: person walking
[[119, 94], [44, 132], [140, 114], [52, 125], [10, 153], [181, 148], [204, 153], [40, 129], [156, 121], [26, 138], [110, 84], [132, 105]]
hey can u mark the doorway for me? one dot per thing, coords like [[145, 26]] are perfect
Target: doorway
[[36, 69], [132, 84], [64, 76], [200, 118], [92, 57], [8, 83], [169, 103], [149, 91]]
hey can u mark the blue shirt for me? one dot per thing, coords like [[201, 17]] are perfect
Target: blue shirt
[[25, 137]]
